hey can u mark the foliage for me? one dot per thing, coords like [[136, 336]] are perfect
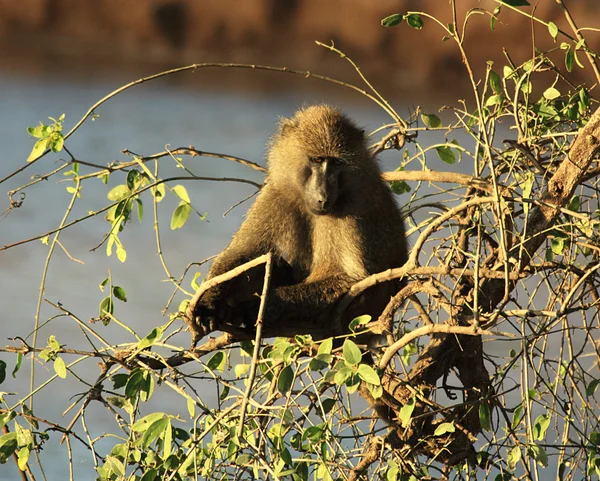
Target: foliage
[[526, 409]]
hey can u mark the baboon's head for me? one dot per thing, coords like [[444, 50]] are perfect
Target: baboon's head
[[316, 154]]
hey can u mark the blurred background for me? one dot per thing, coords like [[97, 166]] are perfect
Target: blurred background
[[61, 56]]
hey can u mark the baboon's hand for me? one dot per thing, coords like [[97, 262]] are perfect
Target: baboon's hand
[[206, 313]]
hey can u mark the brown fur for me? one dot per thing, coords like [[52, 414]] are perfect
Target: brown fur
[[317, 257]]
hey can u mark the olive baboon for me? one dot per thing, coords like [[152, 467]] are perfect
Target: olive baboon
[[327, 217]]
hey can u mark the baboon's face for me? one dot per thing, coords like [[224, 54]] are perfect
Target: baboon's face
[[322, 183]]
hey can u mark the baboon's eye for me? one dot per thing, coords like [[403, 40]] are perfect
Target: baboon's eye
[[316, 160]]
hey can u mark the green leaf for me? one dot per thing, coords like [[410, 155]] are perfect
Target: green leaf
[[156, 429], [154, 335], [241, 370], [118, 193], [444, 428], [414, 20], [53, 343], [514, 456], [326, 346], [17, 365], [446, 154], [406, 412], [540, 426], [495, 82], [142, 424], [399, 187], [180, 215], [551, 93], [431, 120], [342, 375], [38, 132], [57, 144], [22, 458], [151, 474], [119, 293], [368, 374], [121, 252], [516, 3], [553, 30], [135, 383], [60, 368], [485, 416], [181, 192], [391, 21], [590, 389], [494, 100], [38, 149], [119, 380], [140, 209], [569, 60], [558, 245], [158, 191], [538, 453], [133, 179], [376, 391], [285, 379], [191, 407], [352, 354], [217, 361]]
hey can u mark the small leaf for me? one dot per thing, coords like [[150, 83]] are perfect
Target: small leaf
[[406, 412], [118, 193], [181, 192], [514, 456], [38, 131], [180, 215], [352, 354], [485, 416], [121, 252], [58, 144], [431, 120], [551, 93], [444, 428], [390, 21], [2, 371], [414, 20], [38, 149], [119, 293], [540, 426], [538, 454], [326, 346], [22, 458], [591, 387], [368, 374], [495, 82], [158, 192], [553, 30], [569, 60], [191, 407], [142, 424], [342, 375], [285, 379], [217, 361], [494, 100], [59, 367], [156, 429], [154, 335], [241, 370], [446, 154]]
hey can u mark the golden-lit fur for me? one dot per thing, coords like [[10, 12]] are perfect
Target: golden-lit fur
[[317, 257]]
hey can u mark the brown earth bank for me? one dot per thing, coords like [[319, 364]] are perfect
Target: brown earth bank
[[166, 33]]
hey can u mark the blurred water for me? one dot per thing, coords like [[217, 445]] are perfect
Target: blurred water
[[144, 120]]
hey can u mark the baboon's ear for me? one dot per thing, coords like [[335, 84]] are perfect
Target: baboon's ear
[[287, 125]]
